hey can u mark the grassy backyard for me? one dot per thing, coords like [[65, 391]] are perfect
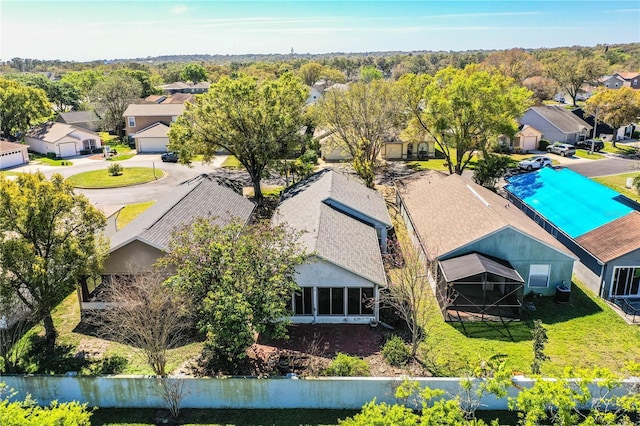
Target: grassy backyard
[[585, 333]]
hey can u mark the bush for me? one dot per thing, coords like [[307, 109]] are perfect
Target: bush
[[396, 352], [542, 146], [85, 151], [347, 366], [52, 155], [115, 169], [97, 150]]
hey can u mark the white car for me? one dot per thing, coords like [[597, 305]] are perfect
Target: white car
[[536, 162]]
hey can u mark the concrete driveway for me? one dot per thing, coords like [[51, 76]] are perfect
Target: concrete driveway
[[174, 174]]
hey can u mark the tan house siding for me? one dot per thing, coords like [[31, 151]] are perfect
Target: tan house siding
[[144, 122], [135, 256]]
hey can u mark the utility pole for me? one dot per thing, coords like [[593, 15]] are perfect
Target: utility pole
[[595, 129]]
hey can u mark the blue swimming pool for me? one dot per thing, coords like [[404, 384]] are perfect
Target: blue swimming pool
[[572, 202]]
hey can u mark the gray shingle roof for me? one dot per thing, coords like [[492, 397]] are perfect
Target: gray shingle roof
[[203, 196], [327, 231], [563, 119], [78, 117]]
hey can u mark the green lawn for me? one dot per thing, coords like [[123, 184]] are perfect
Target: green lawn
[[102, 178], [232, 163], [619, 149], [123, 150], [618, 182], [131, 211], [43, 159], [585, 333], [583, 153]]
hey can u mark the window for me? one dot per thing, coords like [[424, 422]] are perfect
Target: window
[[89, 144], [539, 276], [626, 281], [331, 301], [635, 81], [132, 121], [359, 301], [303, 301]]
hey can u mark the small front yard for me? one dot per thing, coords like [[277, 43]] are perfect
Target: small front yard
[[102, 178], [37, 158], [620, 149], [232, 163], [583, 153], [618, 184]]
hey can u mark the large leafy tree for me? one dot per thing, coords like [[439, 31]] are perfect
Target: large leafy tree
[[462, 110], [194, 73], [616, 107], [362, 118], [515, 63], [572, 69], [61, 94], [48, 241], [310, 72], [83, 81], [112, 96], [238, 281], [257, 122], [21, 107]]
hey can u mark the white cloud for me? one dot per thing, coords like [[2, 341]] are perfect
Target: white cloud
[[177, 10]]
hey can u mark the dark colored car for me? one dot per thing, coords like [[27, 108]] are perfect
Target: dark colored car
[[169, 157], [597, 145]]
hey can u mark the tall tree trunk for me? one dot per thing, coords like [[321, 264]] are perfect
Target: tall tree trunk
[[614, 139], [50, 330], [257, 191]]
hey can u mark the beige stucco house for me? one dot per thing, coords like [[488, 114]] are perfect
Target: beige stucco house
[[62, 139], [138, 246]]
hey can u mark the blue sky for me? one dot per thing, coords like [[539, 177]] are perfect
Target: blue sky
[[103, 29]]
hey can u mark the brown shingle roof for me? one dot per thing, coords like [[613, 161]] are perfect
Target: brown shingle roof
[[10, 146], [54, 131], [450, 212], [614, 239]]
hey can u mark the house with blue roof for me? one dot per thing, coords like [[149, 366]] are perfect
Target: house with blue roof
[[599, 225]]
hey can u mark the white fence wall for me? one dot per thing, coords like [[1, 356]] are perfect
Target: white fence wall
[[145, 392]]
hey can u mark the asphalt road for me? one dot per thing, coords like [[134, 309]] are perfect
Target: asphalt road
[[605, 167]]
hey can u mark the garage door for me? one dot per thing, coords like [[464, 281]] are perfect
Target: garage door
[[152, 145], [11, 159], [394, 151], [529, 143], [67, 149]]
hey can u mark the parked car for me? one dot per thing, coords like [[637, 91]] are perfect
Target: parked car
[[563, 149], [536, 162], [587, 144], [169, 157]]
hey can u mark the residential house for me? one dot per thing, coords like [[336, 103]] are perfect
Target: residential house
[[148, 124], [343, 226], [138, 246], [182, 87], [601, 226], [612, 81], [482, 254], [84, 119], [62, 139], [13, 154], [603, 130], [556, 123], [621, 79], [397, 149], [526, 139]]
